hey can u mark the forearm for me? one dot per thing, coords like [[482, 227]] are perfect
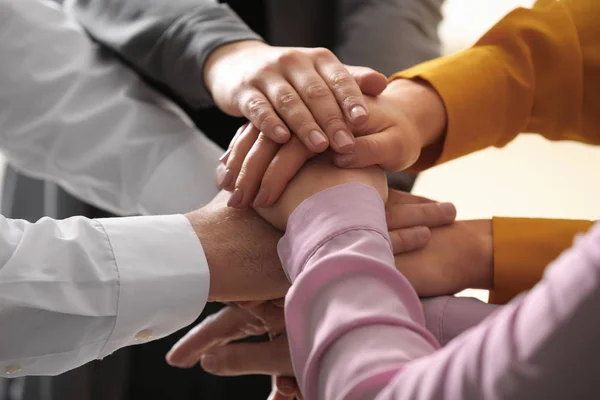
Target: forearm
[[406, 33], [345, 345], [167, 41], [76, 290], [73, 114], [532, 72], [345, 288], [523, 247]]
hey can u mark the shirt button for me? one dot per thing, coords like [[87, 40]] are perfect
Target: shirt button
[[13, 369], [144, 335]]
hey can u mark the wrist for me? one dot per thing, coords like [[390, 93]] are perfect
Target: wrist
[[482, 254], [199, 221], [424, 105], [222, 54]]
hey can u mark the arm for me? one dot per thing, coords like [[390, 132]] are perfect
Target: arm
[[535, 71], [406, 33], [542, 344], [76, 290], [523, 247], [167, 41], [73, 114]]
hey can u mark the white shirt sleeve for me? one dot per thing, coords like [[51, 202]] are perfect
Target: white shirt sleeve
[[72, 113], [75, 290]]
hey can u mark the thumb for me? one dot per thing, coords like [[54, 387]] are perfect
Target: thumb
[[370, 82], [386, 149]]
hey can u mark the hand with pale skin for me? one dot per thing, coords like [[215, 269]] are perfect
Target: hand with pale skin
[[406, 117], [285, 90], [250, 139]]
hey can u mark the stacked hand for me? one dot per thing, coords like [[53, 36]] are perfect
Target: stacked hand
[[406, 117], [409, 220]]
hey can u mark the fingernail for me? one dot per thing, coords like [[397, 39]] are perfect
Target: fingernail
[[343, 160], [317, 138], [448, 209], [209, 363], [236, 198], [226, 179], [343, 140], [261, 198], [224, 156], [281, 134], [358, 112]]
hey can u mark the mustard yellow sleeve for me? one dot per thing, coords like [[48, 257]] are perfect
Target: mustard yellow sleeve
[[537, 70], [523, 247]]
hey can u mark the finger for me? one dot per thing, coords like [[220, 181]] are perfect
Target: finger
[[409, 239], [287, 385], [231, 323], [430, 215], [238, 154], [271, 315], [259, 111], [370, 82], [386, 149], [401, 197], [286, 163], [323, 105], [292, 108], [253, 169], [220, 174], [343, 85], [225, 156], [266, 358]]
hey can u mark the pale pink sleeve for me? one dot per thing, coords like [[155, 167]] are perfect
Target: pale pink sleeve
[[357, 329]]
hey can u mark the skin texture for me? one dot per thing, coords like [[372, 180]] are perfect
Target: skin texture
[[240, 248], [406, 117], [281, 89], [251, 153]]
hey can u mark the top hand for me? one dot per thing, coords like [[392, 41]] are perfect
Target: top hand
[[306, 90], [406, 117]]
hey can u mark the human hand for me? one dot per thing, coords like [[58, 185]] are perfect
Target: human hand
[[240, 249], [407, 117], [280, 89], [317, 175], [210, 343], [400, 123], [409, 219], [457, 256]]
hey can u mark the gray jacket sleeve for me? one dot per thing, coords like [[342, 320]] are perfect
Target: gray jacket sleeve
[[387, 35], [167, 41]]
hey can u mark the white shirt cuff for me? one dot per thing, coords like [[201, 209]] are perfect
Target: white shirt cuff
[[163, 274]]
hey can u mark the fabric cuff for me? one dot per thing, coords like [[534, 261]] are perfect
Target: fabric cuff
[[163, 277], [325, 215]]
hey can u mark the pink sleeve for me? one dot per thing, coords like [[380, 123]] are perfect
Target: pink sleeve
[[357, 329]]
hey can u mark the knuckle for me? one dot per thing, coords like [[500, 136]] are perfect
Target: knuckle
[[289, 56], [340, 79], [316, 91], [258, 111], [398, 239], [287, 100], [323, 53], [333, 120]]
